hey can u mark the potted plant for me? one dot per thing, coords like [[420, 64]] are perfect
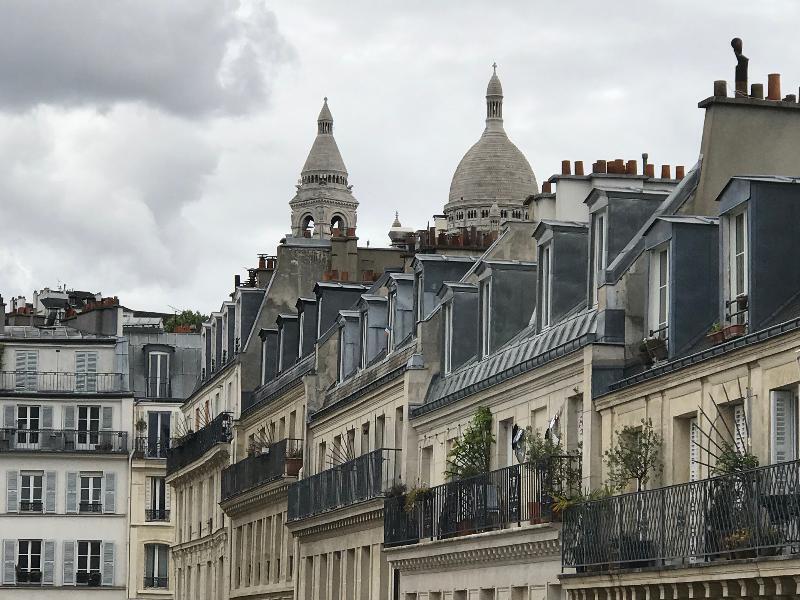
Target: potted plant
[[416, 494], [741, 302], [539, 453], [141, 425], [398, 491], [734, 330], [294, 461], [715, 334], [655, 347]]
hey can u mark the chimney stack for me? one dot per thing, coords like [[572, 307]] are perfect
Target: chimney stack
[[631, 167], [578, 167], [650, 170], [774, 86], [665, 172], [720, 88], [601, 166], [566, 168], [237, 281], [757, 91], [546, 187], [679, 172]]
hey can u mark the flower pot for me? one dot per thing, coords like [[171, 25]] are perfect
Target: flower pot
[[734, 331], [656, 348], [293, 466], [535, 512], [716, 337], [741, 302]]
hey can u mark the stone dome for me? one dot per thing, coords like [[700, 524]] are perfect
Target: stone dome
[[493, 169]]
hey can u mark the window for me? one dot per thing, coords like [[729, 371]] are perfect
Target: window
[[448, 337], [486, 312], [419, 282], [319, 316], [484, 213], [88, 426], [158, 433], [29, 561], [155, 565], [86, 371], [301, 327], [157, 506], [392, 308], [364, 331], [91, 487], [26, 366], [737, 258], [503, 214], [659, 292], [30, 492], [341, 354], [784, 425], [88, 572], [547, 285], [28, 427], [599, 252], [280, 348], [158, 375]]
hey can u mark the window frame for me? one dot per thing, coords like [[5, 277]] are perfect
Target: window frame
[[599, 250], [93, 484], [27, 490], [29, 554], [734, 254], [657, 285], [486, 316], [158, 376], [447, 310], [547, 284], [88, 556]]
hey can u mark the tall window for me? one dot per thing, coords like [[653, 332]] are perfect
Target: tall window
[[486, 313], [26, 365], [784, 425], [319, 316], [448, 337], [30, 492], [29, 561], [737, 257], [28, 427], [91, 488], [280, 348], [341, 354], [659, 292], [392, 308], [158, 433], [364, 350], [88, 426], [599, 253], [420, 296], [158, 375], [155, 565], [158, 508], [301, 327], [547, 285], [86, 371], [88, 571]]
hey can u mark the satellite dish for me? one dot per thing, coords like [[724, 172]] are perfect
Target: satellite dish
[[518, 443]]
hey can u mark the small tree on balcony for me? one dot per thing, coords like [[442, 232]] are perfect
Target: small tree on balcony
[[471, 453], [635, 456]]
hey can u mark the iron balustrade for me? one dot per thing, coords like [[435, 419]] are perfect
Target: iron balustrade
[[156, 514], [57, 382], [193, 445], [30, 506], [364, 478], [63, 440], [90, 578], [28, 576], [741, 515], [91, 507], [493, 500], [156, 582], [274, 462], [157, 387], [148, 448]]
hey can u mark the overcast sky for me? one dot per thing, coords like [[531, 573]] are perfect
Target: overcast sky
[[149, 149]]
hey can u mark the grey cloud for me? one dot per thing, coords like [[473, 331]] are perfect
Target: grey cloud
[[188, 57]]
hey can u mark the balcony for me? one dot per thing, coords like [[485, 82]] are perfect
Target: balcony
[[90, 507], [156, 582], [63, 440], [88, 578], [152, 515], [749, 514], [279, 459], [28, 576], [158, 388], [30, 506], [147, 448], [495, 500], [61, 383], [364, 478], [194, 445]]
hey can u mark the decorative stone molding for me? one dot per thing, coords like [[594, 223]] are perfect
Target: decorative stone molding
[[316, 524], [266, 493]]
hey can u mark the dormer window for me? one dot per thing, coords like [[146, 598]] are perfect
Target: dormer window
[[420, 298], [659, 291], [301, 321], [546, 290], [158, 375], [447, 314], [319, 316], [391, 321], [737, 262], [486, 312], [364, 329], [599, 251], [341, 373], [281, 340]]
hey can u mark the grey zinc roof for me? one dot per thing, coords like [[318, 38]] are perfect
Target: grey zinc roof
[[523, 353], [57, 332]]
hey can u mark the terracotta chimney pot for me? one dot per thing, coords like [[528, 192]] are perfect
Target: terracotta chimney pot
[[566, 168], [631, 167], [665, 172], [601, 166], [578, 167], [757, 91], [720, 88], [774, 86], [679, 172], [546, 187], [650, 170]]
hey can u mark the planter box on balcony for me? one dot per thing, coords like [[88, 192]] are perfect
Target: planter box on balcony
[[293, 466], [734, 331]]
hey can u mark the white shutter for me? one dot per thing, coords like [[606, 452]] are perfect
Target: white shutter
[[80, 371], [106, 417], [148, 493], [68, 560], [167, 497], [91, 371], [9, 562], [694, 450], [47, 418], [12, 491], [740, 429], [26, 363], [784, 426], [110, 491], [50, 492], [69, 417], [72, 492], [108, 563], [9, 418], [48, 562]]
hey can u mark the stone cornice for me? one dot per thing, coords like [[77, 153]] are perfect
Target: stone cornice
[[266, 493], [211, 461], [341, 518], [209, 542]]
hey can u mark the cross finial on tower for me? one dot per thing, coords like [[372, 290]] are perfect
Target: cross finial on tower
[[494, 67]]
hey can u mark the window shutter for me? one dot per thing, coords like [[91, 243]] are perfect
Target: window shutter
[[68, 559], [148, 493], [694, 451], [9, 420], [108, 563], [12, 490], [107, 417], [47, 417], [72, 492], [783, 426], [91, 370], [69, 417], [49, 562], [110, 488], [740, 441], [9, 562], [50, 492], [167, 497]]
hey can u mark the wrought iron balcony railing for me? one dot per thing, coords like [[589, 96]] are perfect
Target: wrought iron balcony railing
[[157, 387], [156, 582], [366, 477], [30, 506], [156, 514], [91, 507], [742, 515], [63, 440], [89, 578], [66, 383], [493, 500], [28, 576], [281, 458], [192, 446], [148, 448]]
